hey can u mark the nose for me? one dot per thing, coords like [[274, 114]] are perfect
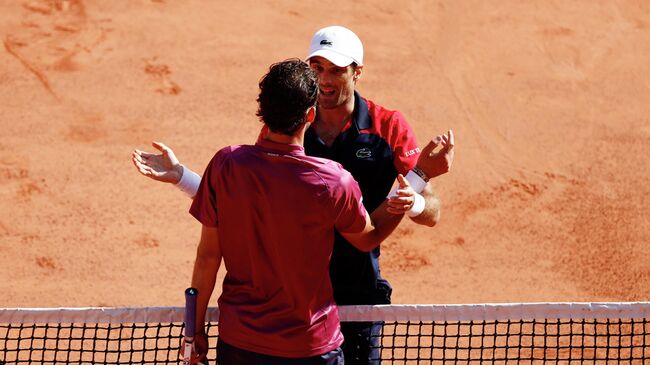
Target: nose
[[324, 80]]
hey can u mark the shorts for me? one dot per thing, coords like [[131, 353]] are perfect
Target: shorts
[[231, 355], [361, 342]]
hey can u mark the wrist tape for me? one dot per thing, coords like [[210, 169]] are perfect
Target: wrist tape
[[416, 182], [418, 206], [189, 183]]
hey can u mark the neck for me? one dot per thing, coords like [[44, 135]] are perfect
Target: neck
[[297, 138], [337, 116]]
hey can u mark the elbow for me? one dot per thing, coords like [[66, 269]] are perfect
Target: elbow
[[431, 223], [368, 245], [434, 220], [434, 216], [429, 219]]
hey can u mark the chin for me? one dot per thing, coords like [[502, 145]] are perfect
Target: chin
[[327, 103]]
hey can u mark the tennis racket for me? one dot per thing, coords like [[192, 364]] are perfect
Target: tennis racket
[[190, 324]]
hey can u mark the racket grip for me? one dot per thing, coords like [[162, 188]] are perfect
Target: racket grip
[[190, 311]]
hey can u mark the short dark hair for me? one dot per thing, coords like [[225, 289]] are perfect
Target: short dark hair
[[287, 91]]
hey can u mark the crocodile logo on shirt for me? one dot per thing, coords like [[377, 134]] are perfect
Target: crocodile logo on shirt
[[364, 153]]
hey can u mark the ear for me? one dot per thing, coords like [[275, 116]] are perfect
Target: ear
[[357, 73], [311, 114]]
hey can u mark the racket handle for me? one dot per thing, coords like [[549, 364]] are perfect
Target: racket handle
[[190, 323], [190, 311]]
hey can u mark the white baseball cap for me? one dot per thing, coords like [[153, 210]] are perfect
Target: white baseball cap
[[338, 45]]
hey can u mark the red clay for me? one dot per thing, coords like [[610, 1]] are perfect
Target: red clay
[[548, 199]]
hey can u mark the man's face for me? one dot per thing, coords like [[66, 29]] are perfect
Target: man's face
[[336, 83]]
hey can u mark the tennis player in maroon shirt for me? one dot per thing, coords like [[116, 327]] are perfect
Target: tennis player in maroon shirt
[[270, 212]]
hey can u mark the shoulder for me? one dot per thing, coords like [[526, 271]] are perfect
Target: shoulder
[[340, 180], [232, 151], [386, 121], [391, 125], [383, 115], [333, 174], [325, 166], [228, 153]]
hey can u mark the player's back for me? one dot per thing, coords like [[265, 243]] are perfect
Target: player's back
[[276, 211]]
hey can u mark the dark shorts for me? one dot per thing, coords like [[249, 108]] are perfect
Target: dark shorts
[[361, 342], [231, 355]]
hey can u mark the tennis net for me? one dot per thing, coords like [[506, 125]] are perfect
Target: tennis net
[[523, 333]]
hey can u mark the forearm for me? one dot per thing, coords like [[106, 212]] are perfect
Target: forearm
[[431, 214], [384, 223], [204, 278], [376, 230]]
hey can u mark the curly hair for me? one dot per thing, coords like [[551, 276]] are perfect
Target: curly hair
[[287, 91]]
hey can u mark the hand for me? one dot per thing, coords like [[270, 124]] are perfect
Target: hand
[[437, 163], [404, 198], [199, 349], [164, 167]]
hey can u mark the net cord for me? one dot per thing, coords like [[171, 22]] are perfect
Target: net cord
[[359, 313]]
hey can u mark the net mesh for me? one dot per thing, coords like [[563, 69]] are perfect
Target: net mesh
[[552, 333], [516, 342]]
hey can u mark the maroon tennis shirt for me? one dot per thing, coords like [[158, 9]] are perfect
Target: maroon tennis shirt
[[276, 210]]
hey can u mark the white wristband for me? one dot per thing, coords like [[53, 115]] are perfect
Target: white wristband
[[416, 182], [189, 183], [418, 206]]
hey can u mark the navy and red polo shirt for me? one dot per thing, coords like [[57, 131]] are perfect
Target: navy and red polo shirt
[[374, 147], [277, 210]]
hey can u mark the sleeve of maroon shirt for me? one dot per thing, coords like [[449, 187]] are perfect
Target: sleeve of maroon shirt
[[349, 210], [204, 205]]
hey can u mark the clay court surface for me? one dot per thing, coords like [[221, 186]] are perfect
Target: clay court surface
[[548, 199]]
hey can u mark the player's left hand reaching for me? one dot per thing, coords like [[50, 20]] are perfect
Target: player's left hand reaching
[[163, 167]]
